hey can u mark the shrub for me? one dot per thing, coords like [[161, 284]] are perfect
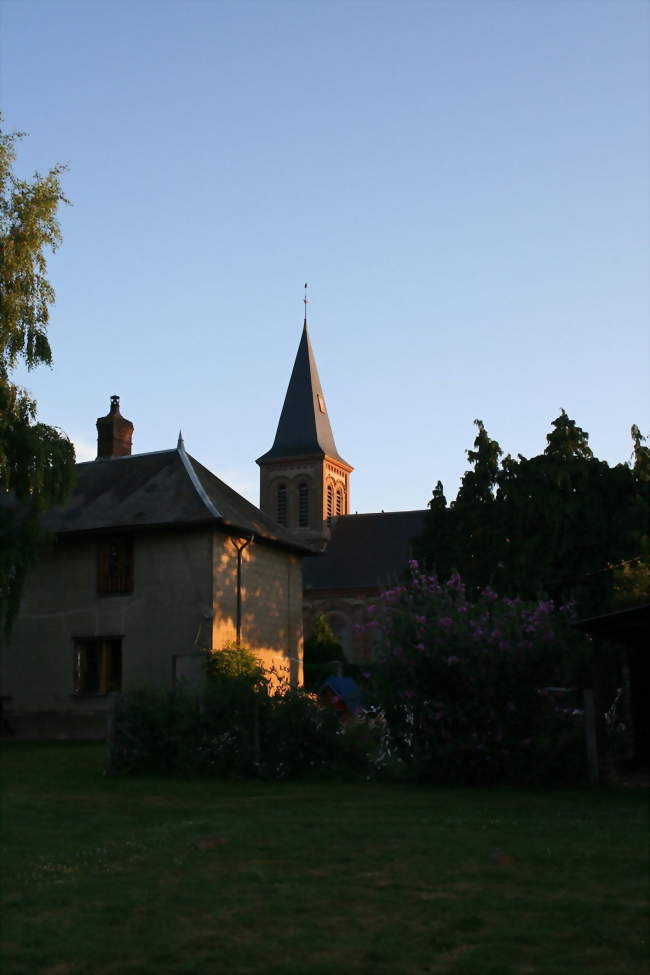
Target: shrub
[[465, 686], [155, 731], [237, 727], [234, 661]]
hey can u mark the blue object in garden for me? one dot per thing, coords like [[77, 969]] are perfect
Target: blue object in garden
[[342, 693]]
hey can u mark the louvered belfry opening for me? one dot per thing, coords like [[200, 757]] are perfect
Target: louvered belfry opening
[[303, 505], [114, 433], [282, 504]]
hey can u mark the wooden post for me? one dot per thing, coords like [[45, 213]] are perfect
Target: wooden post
[[111, 700], [591, 743], [256, 734]]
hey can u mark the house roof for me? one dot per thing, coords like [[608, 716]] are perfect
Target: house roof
[[164, 488], [365, 551], [304, 427]]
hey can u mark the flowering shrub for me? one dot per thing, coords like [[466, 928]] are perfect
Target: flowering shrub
[[466, 687]]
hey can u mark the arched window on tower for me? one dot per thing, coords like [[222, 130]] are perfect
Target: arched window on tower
[[281, 507], [330, 502], [339, 502], [303, 505]]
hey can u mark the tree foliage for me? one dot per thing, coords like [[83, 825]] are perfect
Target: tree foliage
[[561, 525], [36, 460], [322, 648]]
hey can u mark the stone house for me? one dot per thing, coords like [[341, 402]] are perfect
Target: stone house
[[153, 560]]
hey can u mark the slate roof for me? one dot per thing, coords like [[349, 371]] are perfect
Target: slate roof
[[163, 488], [365, 551], [304, 427]]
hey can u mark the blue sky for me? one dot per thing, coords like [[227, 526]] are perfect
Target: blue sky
[[463, 185]]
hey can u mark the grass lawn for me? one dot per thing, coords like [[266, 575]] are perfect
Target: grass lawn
[[148, 876]]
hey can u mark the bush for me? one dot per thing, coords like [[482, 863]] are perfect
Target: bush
[[236, 727], [155, 731], [465, 687]]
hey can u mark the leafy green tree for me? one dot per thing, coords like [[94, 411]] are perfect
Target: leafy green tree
[[321, 648], [559, 525], [36, 460]]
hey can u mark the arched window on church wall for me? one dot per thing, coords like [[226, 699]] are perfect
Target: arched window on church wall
[[340, 507], [303, 505], [330, 502]]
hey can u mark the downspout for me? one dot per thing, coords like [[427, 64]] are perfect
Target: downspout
[[240, 549]]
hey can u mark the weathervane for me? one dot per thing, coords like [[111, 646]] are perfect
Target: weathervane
[[306, 301]]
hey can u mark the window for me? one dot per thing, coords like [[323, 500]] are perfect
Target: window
[[330, 502], [303, 505], [282, 504], [98, 665], [339, 501], [115, 564]]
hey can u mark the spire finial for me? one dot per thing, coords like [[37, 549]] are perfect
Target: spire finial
[[306, 301], [181, 443]]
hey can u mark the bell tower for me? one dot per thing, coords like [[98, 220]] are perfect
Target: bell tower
[[304, 482]]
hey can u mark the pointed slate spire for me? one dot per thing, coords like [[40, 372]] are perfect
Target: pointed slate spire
[[304, 428], [181, 443]]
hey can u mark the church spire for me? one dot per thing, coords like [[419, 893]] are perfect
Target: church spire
[[304, 428]]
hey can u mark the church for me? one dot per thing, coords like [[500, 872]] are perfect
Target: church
[[154, 560], [305, 487]]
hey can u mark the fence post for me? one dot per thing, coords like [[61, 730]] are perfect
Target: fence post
[[591, 741], [112, 700], [257, 757]]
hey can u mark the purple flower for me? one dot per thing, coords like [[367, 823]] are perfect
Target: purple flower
[[413, 565], [445, 622], [371, 610]]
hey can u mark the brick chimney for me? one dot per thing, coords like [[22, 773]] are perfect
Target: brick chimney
[[114, 433]]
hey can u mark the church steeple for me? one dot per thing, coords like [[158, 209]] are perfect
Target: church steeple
[[304, 481], [304, 428]]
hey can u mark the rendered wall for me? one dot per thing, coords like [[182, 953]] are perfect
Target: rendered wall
[[271, 603], [165, 614]]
